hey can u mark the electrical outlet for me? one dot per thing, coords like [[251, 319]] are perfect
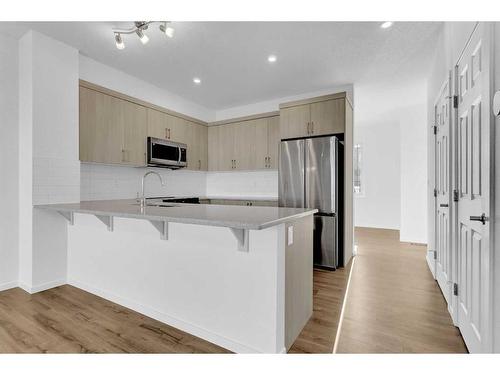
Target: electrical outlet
[[290, 235]]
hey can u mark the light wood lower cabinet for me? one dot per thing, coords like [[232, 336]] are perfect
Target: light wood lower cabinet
[[244, 145]]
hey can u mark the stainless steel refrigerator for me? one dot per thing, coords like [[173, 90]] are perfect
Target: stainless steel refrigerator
[[311, 176]]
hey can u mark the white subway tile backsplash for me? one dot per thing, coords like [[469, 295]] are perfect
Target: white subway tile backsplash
[[100, 182]]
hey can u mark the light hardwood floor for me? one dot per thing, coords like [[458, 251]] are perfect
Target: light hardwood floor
[[393, 306]]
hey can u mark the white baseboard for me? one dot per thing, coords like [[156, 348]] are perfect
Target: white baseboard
[[9, 285], [431, 263], [212, 337], [42, 287]]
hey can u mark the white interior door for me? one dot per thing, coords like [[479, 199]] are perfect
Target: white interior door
[[443, 222], [473, 207]]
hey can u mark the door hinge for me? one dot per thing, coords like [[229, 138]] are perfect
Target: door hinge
[[435, 254], [435, 193], [435, 129], [455, 196], [455, 289], [455, 101]]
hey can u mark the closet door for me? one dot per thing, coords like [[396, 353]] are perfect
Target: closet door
[[475, 253], [443, 221]]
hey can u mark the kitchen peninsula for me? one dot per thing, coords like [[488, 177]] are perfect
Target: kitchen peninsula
[[237, 276]]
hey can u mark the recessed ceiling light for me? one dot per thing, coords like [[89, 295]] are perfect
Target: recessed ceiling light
[[196, 80], [272, 58], [386, 24]]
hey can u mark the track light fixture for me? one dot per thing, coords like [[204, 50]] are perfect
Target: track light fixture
[[139, 28]]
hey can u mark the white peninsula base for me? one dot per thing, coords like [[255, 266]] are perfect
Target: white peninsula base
[[198, 281]]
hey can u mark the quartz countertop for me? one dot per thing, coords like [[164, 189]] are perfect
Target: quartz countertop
[[238, 217]]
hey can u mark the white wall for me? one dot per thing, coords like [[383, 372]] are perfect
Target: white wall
[[9, 196], [114, 79], [379, 204], [391, 121], [50, 169], [414, 129], [273, 104]]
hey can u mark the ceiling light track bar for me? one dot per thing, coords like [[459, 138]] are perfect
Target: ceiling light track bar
[[139, 28]]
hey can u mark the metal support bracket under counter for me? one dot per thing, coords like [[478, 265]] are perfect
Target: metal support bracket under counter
[[242, 236], [162, 227]]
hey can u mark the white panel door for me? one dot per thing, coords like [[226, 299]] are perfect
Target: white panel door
[[443, 220], [473, 208]]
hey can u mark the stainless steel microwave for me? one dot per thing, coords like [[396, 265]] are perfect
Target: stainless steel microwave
[[167, 154]]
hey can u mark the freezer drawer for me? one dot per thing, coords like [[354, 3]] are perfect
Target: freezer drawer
[[325, 241]]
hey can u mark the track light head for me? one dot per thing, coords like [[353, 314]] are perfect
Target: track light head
[[119, 41], [143, 37], [167, 30]]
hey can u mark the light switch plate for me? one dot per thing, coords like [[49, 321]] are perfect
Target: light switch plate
[[290, 235]]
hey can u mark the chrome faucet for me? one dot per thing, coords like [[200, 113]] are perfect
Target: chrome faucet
[[143, 198]]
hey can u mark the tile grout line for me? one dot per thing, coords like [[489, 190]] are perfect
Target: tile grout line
[[344, 302]]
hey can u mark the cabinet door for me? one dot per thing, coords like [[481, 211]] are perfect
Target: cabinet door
[[157, 124], [261, 150], [197, 147], [213, 148], [273, 141], [225, 150], [245, 143], [134, 118], [202, 144], [178, 129], [101, 128], [328, 117], [294, 121]]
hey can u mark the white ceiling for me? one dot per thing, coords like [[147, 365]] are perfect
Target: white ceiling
[[231, 57]]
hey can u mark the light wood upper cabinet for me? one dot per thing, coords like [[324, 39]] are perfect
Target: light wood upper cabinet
[[213, 148], [157, 124], [328, 117], [134, 133], [312, 117], [114, 129], [273, 141], [249, 144], [225, 152], [261, 144], [109, 128], [197, 140], [295, 121]]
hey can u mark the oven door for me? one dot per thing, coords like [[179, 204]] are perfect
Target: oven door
[[164, 153]]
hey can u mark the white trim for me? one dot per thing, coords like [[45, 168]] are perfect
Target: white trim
[[344, 302], [200, 332], [431, 262], [42, 287], [9, 285]]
